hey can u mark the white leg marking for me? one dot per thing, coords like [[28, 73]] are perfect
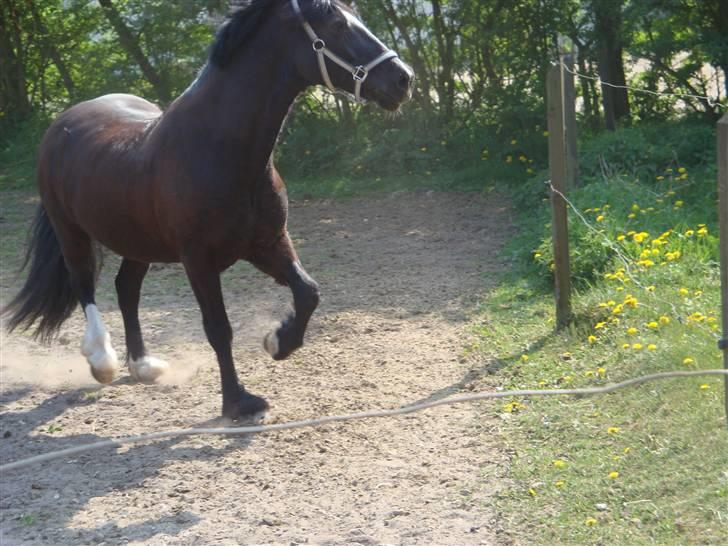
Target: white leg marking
[[96, 347], [147, 369], [270, 343]]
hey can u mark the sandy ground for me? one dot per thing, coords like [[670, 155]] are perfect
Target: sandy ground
[[400, 275]]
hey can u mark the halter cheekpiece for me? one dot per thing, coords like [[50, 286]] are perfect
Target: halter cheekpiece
[[359, 72]]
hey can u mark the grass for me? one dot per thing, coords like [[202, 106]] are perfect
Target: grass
[[648, 465]]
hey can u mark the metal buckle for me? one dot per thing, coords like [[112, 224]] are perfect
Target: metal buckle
[[360, 73], [318, 45]]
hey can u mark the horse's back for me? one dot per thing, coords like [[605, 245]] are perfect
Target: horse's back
[[93, 168]]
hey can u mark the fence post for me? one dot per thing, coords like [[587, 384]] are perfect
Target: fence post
[[723, 241], [558, 174]]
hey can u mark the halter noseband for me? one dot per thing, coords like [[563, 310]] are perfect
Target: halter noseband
[[359, 73]]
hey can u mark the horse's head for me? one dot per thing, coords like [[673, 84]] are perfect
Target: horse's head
[[333, 47]]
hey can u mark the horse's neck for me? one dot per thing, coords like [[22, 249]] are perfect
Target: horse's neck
[[245, 103]]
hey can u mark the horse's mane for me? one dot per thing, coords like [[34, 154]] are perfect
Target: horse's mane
[[245, 17]]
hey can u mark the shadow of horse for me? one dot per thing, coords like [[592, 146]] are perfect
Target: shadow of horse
[[39, 503]]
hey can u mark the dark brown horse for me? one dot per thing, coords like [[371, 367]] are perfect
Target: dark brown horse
[[194, 184]]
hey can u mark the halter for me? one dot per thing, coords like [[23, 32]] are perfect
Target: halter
[[359, 73]]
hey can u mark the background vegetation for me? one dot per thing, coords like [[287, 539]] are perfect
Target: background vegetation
[[639, 467]]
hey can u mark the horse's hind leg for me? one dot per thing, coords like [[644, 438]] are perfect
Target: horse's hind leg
[[281, 263], [142, 367], [80, 259]]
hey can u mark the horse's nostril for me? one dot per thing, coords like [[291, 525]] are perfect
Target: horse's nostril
[[404, 81]]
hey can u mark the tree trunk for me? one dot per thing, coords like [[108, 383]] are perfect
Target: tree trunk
[[607, 26], [51, 51], [13, 85], [445, 80], [131, 46]]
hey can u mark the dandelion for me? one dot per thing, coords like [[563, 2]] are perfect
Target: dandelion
[[637, 346], [613, 475], [631, 215], [592, 339], [545, 133], [509, 159], [689, 233], [651, 347], [653, 324], [600, 218], [424, 149], [702, 232], [641, 236], [559, 483], [601, 371], [704, 387], [632, 331], [684, 291], [514, 142], [626, 346], [683, 176], [532, 491], [590, 522], [664, 320], [635, 207], [613, 430], [559, 463], [537, 255], [650, 288], [627, 450], [522, 158], [660, 178], [620, 237], [679, 204], [682, 170], [599, 325], [524, 358], [688, 361]]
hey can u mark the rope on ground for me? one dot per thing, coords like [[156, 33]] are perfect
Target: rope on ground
[[116, 442]]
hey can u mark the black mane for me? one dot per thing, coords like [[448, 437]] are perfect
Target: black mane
[[246, 16]]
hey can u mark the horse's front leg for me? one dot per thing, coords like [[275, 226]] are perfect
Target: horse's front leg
[[237, 403], [281, 262]]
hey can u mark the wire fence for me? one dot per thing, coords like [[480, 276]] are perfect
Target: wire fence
[[327, 420]]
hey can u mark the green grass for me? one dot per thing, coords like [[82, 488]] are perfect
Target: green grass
[[666, 441]]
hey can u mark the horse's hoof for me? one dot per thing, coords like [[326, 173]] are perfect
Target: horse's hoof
[[250, 408], [271, 345], [101, 356], [147, 369]]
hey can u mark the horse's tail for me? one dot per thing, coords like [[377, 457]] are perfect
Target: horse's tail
[[47, 294]]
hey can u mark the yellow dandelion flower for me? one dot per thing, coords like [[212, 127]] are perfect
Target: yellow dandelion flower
[[631, 215], [590, 522], [559, 483], [620, 237], [688, 361], [626, 346], [599, 325], [684, 291], [653, 324], [627, 450], [592, 339], [632, 331], [524, 358], [613, 475], [601, 371], [664, 320], [651, 347], [681, 170], [509, 159], [704, 387], [613, 430], [650, 288], [689, 233], [545, 133], [600, 218], [559, 463], [532, 492], [637, 346], [660, 177], [514, 142]]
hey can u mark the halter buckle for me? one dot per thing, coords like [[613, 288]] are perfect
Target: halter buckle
[[360, 73], [318, 45]]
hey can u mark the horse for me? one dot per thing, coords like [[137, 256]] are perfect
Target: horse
[[194, 184]]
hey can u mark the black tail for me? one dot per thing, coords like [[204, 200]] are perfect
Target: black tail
[[47, 294]]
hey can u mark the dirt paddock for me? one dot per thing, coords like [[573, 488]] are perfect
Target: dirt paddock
[[399, 274]]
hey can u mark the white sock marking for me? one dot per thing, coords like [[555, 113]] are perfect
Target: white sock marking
[[270, 343], [96, 347]]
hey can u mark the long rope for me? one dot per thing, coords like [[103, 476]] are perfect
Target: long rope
[[115, 442]]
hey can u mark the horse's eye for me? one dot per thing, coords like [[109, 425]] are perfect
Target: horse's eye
[[340, 24]]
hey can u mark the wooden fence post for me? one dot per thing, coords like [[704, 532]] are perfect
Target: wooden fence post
[[723, 241], [558, 174]]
